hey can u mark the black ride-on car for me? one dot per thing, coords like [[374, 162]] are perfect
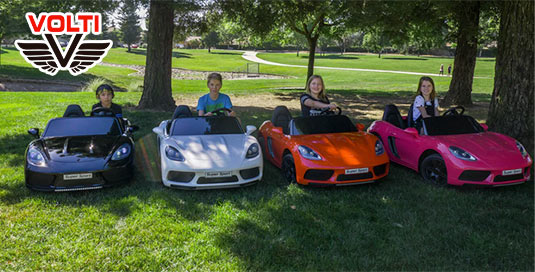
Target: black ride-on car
[[78, 152]]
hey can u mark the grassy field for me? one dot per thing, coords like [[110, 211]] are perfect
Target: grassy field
[[399, 223]]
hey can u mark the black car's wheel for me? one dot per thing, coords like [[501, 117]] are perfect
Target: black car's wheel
[[433, 170], [288, 168]]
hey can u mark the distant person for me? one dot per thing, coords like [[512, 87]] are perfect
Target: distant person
[[441, 71], [105, 95], [449, 69], [315, 98], [425, 103], [214, 100]]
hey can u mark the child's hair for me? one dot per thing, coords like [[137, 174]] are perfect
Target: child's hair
[[433, 92], [216, 76], [321, 95], [104, 87]]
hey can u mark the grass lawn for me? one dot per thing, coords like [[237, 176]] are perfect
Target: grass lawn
[[399, 223]]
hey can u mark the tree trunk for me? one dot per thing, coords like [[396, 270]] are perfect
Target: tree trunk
[[460, 91], [157, 84], [128, 47], [511, 108], [312, 43]]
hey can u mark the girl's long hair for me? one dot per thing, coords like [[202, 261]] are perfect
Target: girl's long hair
[[321, 95], [433, 93]]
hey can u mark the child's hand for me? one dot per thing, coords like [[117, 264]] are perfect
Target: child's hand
[[208, 114], [332, 106]]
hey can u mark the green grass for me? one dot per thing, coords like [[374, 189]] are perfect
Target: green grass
[[400, 223]]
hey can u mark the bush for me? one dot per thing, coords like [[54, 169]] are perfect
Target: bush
[[92, 85], [135, 86]]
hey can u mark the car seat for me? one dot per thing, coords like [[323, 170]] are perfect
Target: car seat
[[74, 110], [182, 111], [281, 118], [392, 116]]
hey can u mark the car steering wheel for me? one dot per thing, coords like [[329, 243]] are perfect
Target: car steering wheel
[[453, 111], [101, 111], [328, 111], [221, 111]]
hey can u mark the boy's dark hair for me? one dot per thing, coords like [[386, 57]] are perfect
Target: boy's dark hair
[[104, 87], [216, 76]]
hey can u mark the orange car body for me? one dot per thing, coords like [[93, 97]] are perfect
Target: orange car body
[[347, 158]]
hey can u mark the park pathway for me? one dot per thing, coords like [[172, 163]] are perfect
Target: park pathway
[[251, 56]]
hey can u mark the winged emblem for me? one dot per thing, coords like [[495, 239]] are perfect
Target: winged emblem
[[49, 58]]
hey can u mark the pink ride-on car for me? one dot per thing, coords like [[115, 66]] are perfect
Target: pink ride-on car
[[453, 149]]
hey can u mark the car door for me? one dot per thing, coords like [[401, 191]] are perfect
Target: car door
[[275, 143], [405, 147]]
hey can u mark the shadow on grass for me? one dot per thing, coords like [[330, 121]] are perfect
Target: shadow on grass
[[22, 72], [395, 58], [227, 53], [337, 57]]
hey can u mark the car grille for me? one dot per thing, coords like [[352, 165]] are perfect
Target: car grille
[[177, 176], [380, 169], [500, 178], [250, 173], [344, 177], [474, 175], [315, 174], [204, 180]]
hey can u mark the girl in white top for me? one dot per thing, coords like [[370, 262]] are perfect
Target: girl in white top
[[426, 102]]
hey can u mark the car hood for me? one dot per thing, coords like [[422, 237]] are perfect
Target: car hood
[[213, 148], [79, 148], [351, 148], [490, 148]]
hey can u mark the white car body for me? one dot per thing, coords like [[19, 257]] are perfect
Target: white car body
[[216, 160]]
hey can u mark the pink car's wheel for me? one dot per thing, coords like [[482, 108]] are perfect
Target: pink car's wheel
[[288, 168], [434, 170]]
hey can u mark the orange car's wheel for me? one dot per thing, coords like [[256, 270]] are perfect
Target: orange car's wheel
[[288, 168], [434, 170]]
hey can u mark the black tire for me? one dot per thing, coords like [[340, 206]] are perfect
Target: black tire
[[288, 168], [433, 170]]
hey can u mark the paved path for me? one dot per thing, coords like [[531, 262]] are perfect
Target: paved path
[[251, 56]]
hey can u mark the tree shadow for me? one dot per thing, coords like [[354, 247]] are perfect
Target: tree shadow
[[399, 58], [21, 72], [337, 57], [227, 53]]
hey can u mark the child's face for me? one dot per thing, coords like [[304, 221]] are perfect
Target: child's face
[[105, 96], [426, 88], [316, 86], [214, 85]]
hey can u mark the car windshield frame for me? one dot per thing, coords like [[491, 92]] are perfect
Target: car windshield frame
[[192, 126], [322, 124], [451, 125], [82, 126]]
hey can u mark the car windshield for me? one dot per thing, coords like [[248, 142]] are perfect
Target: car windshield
[[82, 126], [451, 125], [322, 124], [206, 126]]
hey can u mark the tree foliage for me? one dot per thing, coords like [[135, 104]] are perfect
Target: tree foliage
[[130, 29]]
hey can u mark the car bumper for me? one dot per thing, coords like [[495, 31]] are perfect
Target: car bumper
[[489, 178], [207, 179], [338, 176], [43, 180]]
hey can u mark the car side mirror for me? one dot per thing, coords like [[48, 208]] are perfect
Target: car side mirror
[[360, 127], [250, 129], [34, 132], [412, 131], [158, 130], [484, 126], [132, 128], [277, 130]]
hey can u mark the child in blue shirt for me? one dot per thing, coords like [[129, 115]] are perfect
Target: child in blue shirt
[[214, 100]]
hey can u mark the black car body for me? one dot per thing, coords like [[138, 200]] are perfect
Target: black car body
[[80, 153]]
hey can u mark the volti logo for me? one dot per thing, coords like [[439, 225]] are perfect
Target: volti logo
[[48, 56]]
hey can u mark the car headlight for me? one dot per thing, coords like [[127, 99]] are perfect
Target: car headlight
[[173, 154], [253, 151], [461, 154], [122, 152], [521, 149], [308, 153], [35, 157], [379, 149]]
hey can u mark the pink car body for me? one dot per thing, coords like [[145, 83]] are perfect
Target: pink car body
[[481, 158]]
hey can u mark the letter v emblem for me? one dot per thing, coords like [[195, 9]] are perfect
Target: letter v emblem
[[58, 52]]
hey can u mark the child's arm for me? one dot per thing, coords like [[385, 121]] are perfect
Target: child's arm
[[423, 112], [318, 105]]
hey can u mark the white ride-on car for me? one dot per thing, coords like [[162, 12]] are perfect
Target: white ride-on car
[[207, 152]]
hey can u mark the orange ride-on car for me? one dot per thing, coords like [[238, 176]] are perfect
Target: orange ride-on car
[[324, 150]]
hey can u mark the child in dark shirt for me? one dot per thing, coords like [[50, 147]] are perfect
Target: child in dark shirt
[[315, 99], [105, 95]]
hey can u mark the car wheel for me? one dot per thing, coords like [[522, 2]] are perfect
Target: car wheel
[[288, 168], [433, 170]]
